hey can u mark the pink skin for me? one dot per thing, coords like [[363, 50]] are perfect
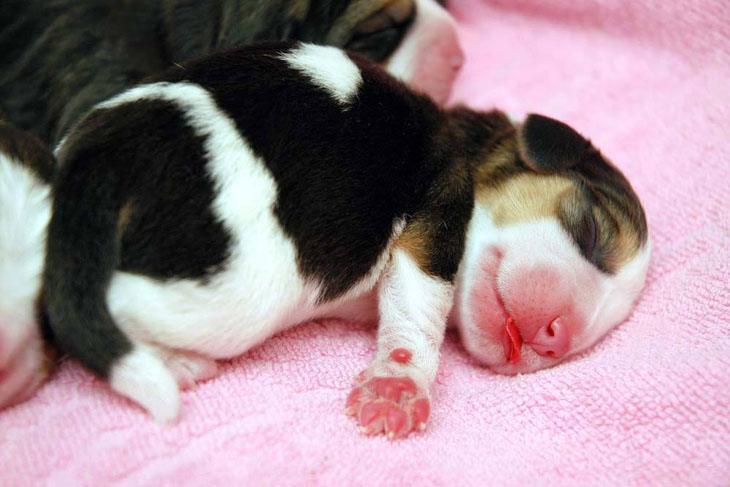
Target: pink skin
[[436, 73], [391, 405], [21, 368], [401, 355], [530, 312], [429, 57]]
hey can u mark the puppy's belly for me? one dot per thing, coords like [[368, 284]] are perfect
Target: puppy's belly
[[258, 291], [223, 319]]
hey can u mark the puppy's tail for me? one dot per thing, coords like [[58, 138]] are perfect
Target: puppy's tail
[[82, 255]]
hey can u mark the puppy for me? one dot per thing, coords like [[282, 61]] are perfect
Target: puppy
[[26, 170], [61, 57], [200, 213]]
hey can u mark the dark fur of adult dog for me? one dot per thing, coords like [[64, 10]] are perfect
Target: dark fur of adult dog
[[61, 57]]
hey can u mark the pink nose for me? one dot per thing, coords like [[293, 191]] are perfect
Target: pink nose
[[552, 340]]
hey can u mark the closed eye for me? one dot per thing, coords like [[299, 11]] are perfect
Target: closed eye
[[578, 214], [378, 36], [590, 237]]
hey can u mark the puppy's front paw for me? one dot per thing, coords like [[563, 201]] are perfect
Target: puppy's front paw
[[394, 406]]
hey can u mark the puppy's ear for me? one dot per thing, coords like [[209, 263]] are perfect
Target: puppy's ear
[[547, 145]]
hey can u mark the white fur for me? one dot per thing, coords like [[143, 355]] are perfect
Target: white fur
[[142, 377], [327, 67], [259, 292], [25, 210], [619, 293], [603, 300], [260, 289], [413, 310]]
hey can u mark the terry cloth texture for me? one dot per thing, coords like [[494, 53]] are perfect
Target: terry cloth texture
[[649, 81]]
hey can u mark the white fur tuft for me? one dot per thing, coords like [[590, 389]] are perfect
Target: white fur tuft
[[143, 377], [327, 67]]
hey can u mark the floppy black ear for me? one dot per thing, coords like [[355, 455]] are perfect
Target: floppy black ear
[[547, 145]]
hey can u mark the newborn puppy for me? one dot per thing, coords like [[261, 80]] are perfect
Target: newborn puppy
[[61, 57], [198, 214], [26, 169]]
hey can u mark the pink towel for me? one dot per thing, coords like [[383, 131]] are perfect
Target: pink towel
[[649, 80]]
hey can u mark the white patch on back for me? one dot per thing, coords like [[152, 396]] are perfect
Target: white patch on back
[[260, 287], [327, 67], [260, 291], [25, 209]]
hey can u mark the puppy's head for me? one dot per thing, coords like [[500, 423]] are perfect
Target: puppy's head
[[557, 249], [26, 168], [415, 40]]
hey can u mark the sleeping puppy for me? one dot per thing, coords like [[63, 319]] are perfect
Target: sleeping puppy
[[26, 169], [200, 213], [61, 57]]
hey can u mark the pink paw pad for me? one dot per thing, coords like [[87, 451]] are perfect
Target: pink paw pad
[[401, 355], [390, 405]]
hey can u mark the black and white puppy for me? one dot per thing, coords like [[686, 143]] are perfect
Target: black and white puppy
[[61, 57], [238, 195], [26, 170]]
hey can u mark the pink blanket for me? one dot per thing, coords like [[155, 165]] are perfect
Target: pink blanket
[[650, 81]]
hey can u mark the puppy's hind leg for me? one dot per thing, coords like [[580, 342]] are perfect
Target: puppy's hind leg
[[153, 376], [143, 376]]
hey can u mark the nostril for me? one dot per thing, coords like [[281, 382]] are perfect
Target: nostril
[[550, 330], [552, 340]]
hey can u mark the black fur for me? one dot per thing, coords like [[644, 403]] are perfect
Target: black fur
[[58, 58], [25, 148], [170, 232], [344, 175], [551, 146], [353, 171], [604, 194]]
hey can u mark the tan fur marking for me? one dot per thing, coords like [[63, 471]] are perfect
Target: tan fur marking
[[525, 197], [514, 194], [125, 216], [298, 9], [618, 236], [415, 240]]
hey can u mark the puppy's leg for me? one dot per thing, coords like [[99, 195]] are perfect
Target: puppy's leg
[[392, 395]]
